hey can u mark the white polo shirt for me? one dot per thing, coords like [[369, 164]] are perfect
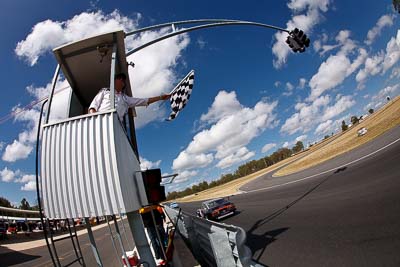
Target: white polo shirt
[[102, 102]]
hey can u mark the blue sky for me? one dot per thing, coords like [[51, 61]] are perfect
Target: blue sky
[[251, 97]]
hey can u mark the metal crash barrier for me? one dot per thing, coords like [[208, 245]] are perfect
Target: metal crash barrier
[[212, 243]]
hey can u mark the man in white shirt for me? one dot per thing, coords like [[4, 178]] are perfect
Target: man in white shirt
[[102, 101]]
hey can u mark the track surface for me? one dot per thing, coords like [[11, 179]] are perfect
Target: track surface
[[349, 216]]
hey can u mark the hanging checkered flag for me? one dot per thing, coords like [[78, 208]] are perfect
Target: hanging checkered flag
[[180, 95]]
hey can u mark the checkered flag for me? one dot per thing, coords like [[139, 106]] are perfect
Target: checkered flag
[[180, 95]]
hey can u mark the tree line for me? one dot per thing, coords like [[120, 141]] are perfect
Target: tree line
[[243, 170], [24, 204]]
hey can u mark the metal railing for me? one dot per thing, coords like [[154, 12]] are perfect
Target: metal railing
[[212, 243]]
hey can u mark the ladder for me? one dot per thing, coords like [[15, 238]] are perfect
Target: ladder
[[71, 234]]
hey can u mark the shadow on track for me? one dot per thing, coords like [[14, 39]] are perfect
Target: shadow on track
[[256, 241], [15, 257]]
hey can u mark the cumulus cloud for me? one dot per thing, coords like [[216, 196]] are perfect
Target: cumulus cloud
[[230, 129], [240, 155], [384, 21], [311, 114], [342, 104], [49, 34], [188, 161], [8, 175], [225, 103], [379, 63], [17, 176], [16, 151], [26, 178], [324, 127], [301, 138], [146, 164], [268, 147], [30, 186], [336, 68], [306, 21]]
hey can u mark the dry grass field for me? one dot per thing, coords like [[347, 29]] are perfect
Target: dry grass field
[[376, 124]]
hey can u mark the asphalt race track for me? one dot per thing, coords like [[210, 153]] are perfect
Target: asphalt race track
[[347, 216]]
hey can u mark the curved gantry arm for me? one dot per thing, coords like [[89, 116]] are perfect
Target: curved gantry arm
[[214, 23]]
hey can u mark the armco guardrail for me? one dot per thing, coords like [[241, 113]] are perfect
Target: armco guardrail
[[212, 243]]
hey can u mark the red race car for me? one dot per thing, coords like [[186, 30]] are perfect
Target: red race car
[[216, 209]]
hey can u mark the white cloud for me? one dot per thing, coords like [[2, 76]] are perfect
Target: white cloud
[[285, 145], [49, 34], [224, 104], [268, 147], [379, 63], [306, 115], [190, 161], [384, 21], [240, 155], [324, 127], [289, 89], [336, 68], [302, 83], [16, 151], [231, 128], [314, 113], [342, 104], [301, 138], [394, 75], [330, 74], [305, 22], [17, 176], [392, 55], [146, 164], [8, 175], [30, 186], [184, 176], [26, 178]]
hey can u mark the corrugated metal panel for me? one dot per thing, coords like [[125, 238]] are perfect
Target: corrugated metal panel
[[81, 175]]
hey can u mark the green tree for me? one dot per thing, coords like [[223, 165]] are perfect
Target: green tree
[[344, 126], [371, 110], [24, 205], [326, 136], [299, 146], [354, 120], [5, 203]]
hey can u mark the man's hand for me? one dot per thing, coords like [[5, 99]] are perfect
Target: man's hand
[[165, 96]]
